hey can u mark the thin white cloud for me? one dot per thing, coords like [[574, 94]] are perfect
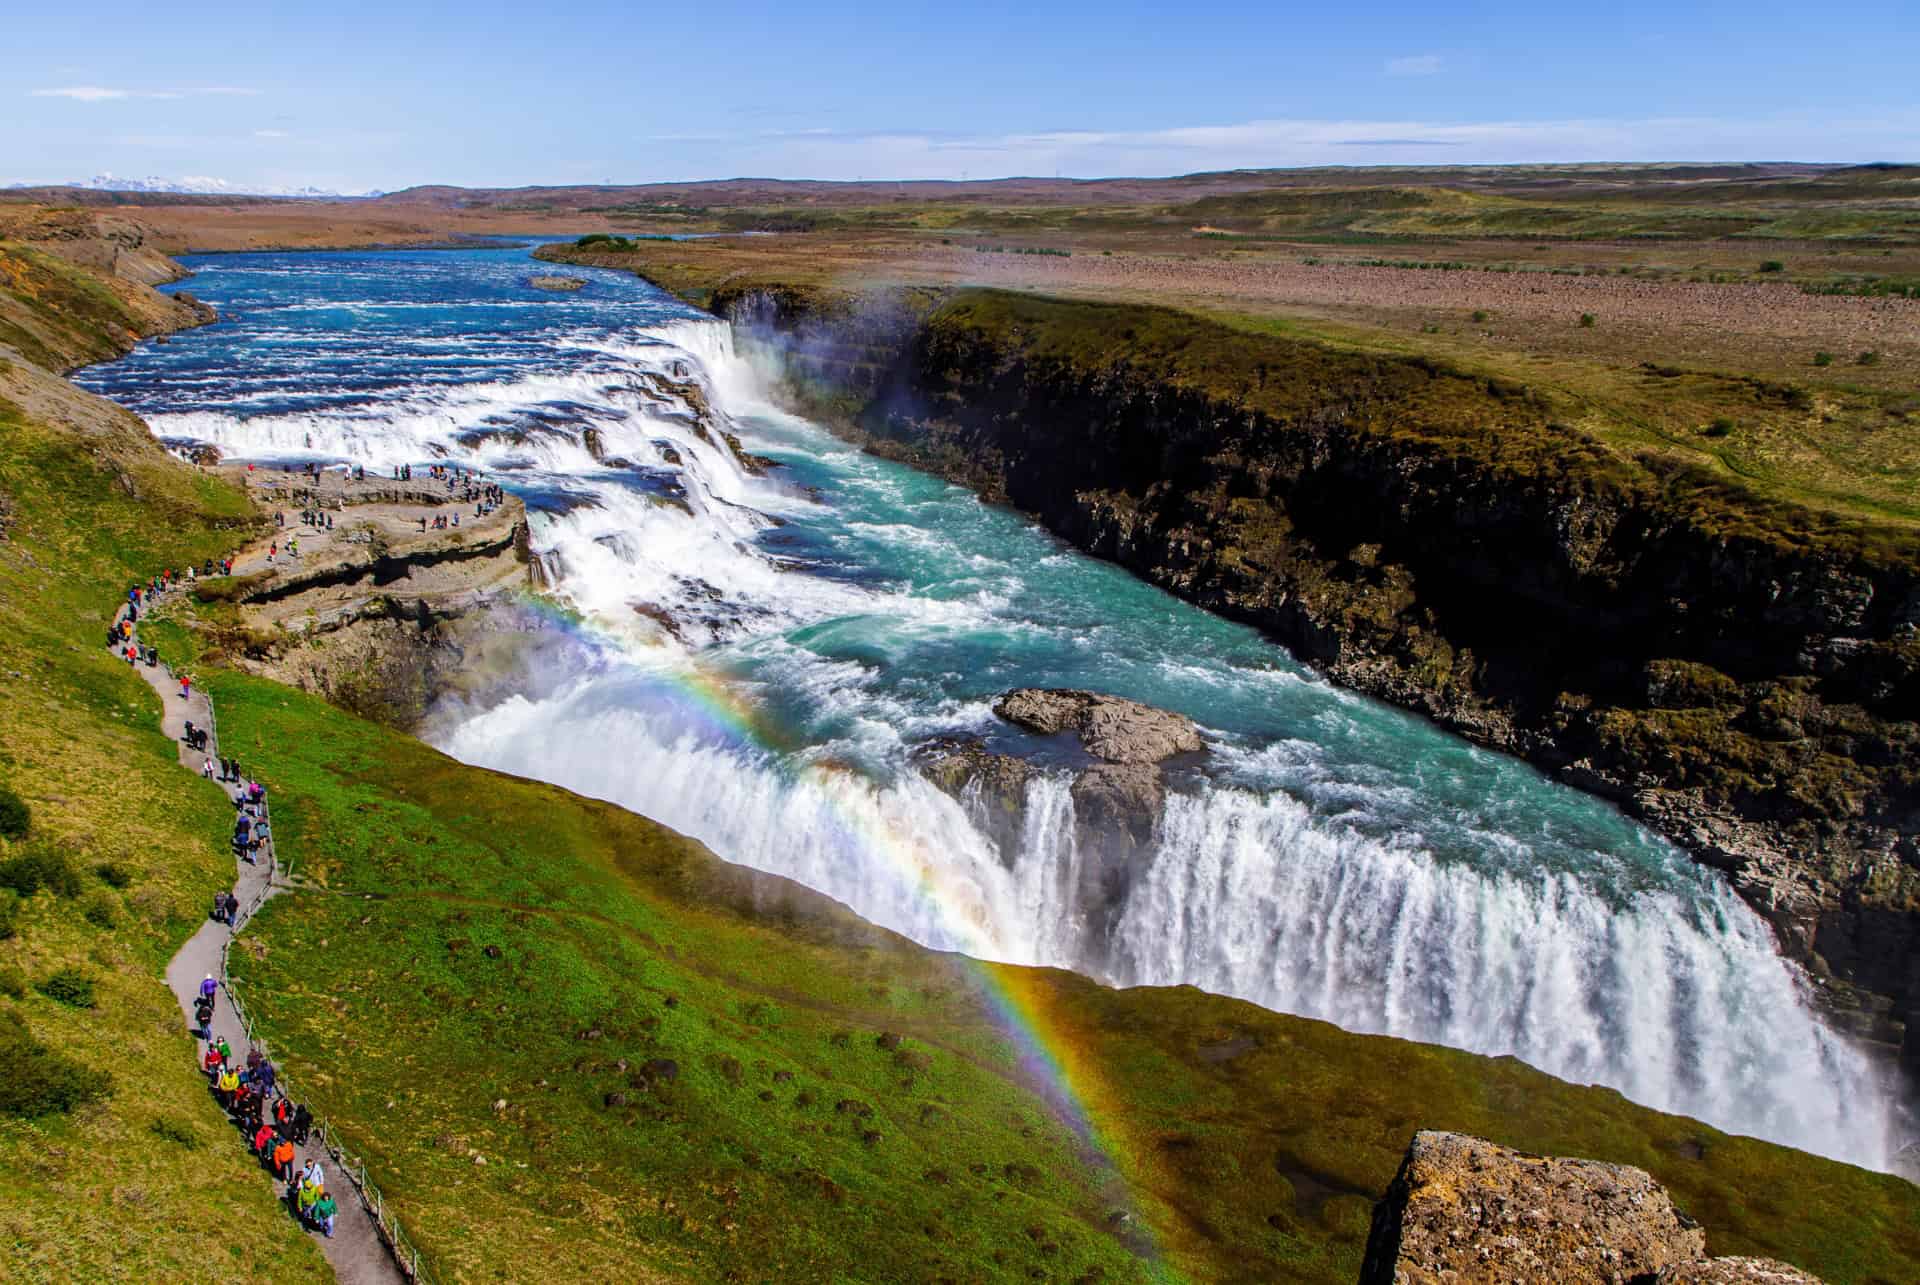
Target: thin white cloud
[[1089, 153], [270, 133], [1416, 65], [83, 93], [102, 94]]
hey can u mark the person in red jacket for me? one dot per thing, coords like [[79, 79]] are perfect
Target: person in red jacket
[[263, 1141]]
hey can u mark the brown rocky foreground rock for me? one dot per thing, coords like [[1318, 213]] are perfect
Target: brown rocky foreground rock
[[1463, 1209]]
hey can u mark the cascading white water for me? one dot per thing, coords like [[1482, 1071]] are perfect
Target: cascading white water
[[1311, 870]]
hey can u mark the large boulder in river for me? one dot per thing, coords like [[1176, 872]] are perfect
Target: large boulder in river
[[1462, 1209], [1110, 727]]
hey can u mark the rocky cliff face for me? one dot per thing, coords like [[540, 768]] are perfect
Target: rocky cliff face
[[1744, 677], [1462, 1210]]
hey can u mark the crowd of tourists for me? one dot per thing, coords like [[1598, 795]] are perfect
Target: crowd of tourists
[[273, 1122], [249, 1089]]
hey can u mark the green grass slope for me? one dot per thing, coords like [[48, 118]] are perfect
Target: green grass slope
[[141, 1180], [490, 965]]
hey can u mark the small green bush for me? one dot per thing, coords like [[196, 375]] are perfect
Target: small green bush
[[1868, 358], [1586, 321], [113, 874], [1773, 265], [16, 818], [100, 912], [1479, 314], [1720, 427], [169, 1129], [37, 1081], [13, 982], [68, 986], [37, 868], [1823, 359]]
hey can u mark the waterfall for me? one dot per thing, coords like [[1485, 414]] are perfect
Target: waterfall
[[1323, 866]]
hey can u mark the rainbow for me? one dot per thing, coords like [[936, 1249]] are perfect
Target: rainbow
[[1019, 999]]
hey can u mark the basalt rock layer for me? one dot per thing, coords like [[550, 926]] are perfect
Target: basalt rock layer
[[1742, 674]]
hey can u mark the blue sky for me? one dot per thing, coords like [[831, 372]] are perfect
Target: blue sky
[[356, 95]]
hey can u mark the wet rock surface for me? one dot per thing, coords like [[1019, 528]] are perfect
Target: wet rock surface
[[1109, 727], [1463, 1209], [992, 787]]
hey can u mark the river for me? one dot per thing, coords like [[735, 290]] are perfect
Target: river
[[1330, 856]]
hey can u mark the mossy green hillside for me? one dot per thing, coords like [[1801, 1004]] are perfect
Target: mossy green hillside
[[141, 1179], [58, 315]]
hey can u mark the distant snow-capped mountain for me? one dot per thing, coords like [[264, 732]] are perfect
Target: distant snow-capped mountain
[[199, 185]]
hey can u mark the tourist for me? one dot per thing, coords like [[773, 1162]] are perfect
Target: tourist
[[302, 1123], [282, 1158], [226, 1087], [263, 1141], [211, 1063], [324, 1210]]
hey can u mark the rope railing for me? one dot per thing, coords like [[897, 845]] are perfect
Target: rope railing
[[385, 1221]]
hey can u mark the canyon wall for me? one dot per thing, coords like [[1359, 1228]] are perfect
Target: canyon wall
[[1742, 674]]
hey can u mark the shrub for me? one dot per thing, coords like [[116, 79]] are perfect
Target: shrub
[[1823, 359], [37, 868], [1773, 265], [1868, 358], [1479, 314], [13, 982], [171, 1130], [1720, 427], [9, 913], [36, 1081], [113, 874], [1586, 320], [16, 818], [100, 912], [68, 986]]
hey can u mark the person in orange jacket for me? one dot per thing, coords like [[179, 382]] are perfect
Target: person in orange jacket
[[282, 1158]]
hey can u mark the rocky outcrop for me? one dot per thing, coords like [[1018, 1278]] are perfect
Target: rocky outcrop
[[1743, 676], [1116, 800], [1736, 1271], [1109, 727], [1462, 1210], [558, 284], [992, 787]]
